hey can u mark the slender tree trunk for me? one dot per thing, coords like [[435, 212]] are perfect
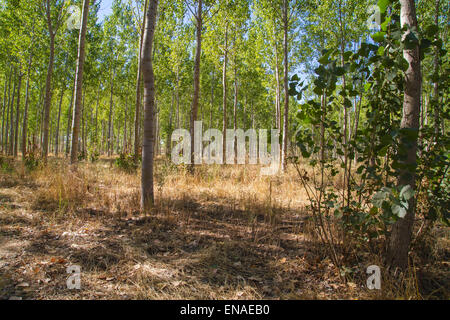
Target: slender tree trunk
[[4, 110], [345, 140], [111, 110], [48, 98], [212, 101], [196, 96], [25, 112], [124, 147], [253, 116], [178, 97], [11, 118], [401, 234], [137, 114], [224, 83], [168, 138], [286, 87], [244, 118], [16, 130], [69, 119], [5, 115], [83, 119], [147, 193], [437, 119], [96, 115], [81, 145], [277, 84], [236, 91], [156, 131], [102, 147], [79, 83], [41, 128], [58, 121]]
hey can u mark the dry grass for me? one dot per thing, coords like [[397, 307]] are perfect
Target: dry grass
[[225, 232]]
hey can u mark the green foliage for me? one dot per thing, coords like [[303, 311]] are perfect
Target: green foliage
[[32, 161], [93, 154], [6, 165], [371, 200], [393, 201], [126, 163]]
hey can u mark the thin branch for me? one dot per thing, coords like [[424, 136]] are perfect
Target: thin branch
[[188, 6]]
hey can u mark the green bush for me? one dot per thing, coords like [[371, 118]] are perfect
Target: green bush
[[126, 163], [6, 165], [94, 155], [31, 161]]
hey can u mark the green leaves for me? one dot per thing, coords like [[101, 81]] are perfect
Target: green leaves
[[398, 210], [383, 5], [393, 201], [381, 196], [432, 31], [411, 41], [379, 36], [406, 193]]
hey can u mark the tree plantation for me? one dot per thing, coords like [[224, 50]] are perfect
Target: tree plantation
[[230, 149]]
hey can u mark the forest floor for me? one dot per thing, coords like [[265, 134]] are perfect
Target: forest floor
[[222, 233]]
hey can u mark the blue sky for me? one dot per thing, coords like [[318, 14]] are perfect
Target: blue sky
[[105, 8]]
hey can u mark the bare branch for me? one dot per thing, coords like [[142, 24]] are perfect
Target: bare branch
[[188, 6]]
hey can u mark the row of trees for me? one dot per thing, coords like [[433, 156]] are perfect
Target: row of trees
[[123, 84], [193, 83]]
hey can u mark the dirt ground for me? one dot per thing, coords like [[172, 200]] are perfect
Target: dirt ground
[[222, 234]]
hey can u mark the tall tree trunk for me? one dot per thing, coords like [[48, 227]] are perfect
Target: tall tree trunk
[[236, 91], [212, 101], [277, 84], [11, 119], [137, 114], [400, 239], [347, 166], [178, 96], [41, 124], [124, 147], [196, 96], [102, 146], [3, 111], [48, 98], [25, 112], [16, 130], [96, 115], [147, 193], [253, 116], [5, 107], [83, 120], [6, 115], [111, 110], [168, 138], [286, 87], [224, 84], [244, 118], [156, 132], [437, 119], [58, 121], [79, 83], [69, 119], [81, 145]]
